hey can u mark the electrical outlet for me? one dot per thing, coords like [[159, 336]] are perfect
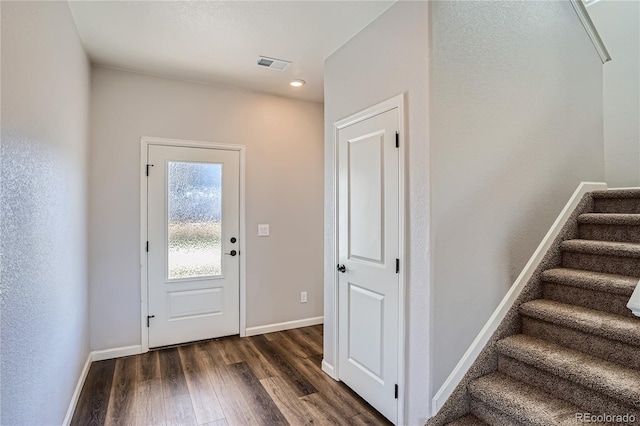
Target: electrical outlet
[[303, 297]]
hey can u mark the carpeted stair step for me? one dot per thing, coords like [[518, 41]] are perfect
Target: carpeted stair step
[[602, 256], [601, 347], [490, 415], [628, 219], [468, 420], [598, 281], [604, 377], [594, 290], [599, 323], [604, 248], [616, 201], [609, 227], [519, 402], [567, 390]]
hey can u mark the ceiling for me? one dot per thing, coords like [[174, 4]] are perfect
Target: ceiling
[[219, 42]]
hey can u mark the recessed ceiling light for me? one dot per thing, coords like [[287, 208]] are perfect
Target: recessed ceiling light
[[297, 83]]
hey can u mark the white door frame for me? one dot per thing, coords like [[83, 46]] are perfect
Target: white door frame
[[397, 102], [145, 141]]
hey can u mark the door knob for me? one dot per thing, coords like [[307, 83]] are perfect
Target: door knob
[[232, 253], [342, 268]]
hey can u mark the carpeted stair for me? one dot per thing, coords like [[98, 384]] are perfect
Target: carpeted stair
[[578, 350]]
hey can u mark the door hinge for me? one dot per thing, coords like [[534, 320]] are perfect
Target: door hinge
[[148, 165], [397, 266], [397, 141], [147, 246], [396, 391], [153, 316]]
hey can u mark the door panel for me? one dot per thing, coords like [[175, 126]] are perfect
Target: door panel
[[193, 214], [195, 302], [368, 227], [366, 310], [366, 189]]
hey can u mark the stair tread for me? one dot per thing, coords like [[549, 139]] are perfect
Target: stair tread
[[521, 401], [468, 420], [600, 323], [609, 218], [616, 193], [600, 281], [605, 248], [594, 373]]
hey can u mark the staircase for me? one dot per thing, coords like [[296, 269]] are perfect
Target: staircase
[[578, 350]]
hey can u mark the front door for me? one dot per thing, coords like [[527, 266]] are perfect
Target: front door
[[193, 244], [368, 225]]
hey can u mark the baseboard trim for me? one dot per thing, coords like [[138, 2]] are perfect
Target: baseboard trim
[[329, 369], [76, 392], [271, 328], [96, 356], [116, 352], [509, 299]]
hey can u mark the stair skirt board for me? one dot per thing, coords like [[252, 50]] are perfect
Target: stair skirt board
[[567, 343]]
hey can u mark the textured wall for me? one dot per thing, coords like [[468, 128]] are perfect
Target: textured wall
[[283, 188], [43, 278], [516, 125], [618, 23], [387, 58]]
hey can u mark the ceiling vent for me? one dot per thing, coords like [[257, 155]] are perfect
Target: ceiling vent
[[276, 64]]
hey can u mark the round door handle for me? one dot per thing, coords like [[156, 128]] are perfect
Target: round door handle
[[232, 253], [342, 269]]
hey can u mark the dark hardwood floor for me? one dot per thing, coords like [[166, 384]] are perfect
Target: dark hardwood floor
[[272, 379]]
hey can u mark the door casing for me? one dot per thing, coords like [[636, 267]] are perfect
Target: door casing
[[397, 102], [145, 141]]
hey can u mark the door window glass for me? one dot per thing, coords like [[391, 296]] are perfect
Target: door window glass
[[194, 219]]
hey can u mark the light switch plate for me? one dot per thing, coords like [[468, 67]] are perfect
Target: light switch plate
[[263, 230]]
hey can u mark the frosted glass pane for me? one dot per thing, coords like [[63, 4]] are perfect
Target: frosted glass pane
[[195, 206]]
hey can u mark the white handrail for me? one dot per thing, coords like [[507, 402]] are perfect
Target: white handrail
[[592, 32], [634, 302], [509, 299]]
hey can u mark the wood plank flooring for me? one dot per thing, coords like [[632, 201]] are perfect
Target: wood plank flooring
[[272, 379]]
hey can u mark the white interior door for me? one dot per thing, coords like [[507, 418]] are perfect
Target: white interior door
[[193, 244], [368, 224]]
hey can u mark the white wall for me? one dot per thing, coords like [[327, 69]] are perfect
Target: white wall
[[618, 23], [516, 124], [283, 182], [43, 278], [387, 58]]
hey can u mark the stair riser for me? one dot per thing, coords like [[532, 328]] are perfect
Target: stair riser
[[610, 350], [600, 232], [599, 300], [599, 263], [616, 205], [492, 416], [587, 399]]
